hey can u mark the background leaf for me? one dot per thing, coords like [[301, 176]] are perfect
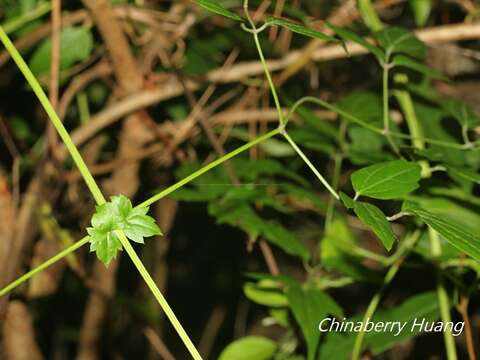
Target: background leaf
[[457, 235], [215, 7], [398, 40], [310, 306], [249, 348], [76, 44], [299, 29]]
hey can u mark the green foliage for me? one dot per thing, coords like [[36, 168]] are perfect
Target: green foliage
[[299, 29], [76, 44], [218, 9], [373, 217], [118, 214], [457, 235], [249, 348], [395, 40], [309, 306], [387, 180]]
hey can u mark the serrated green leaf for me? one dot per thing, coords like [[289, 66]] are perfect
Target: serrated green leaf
[[299, 29], [398, 40], [352, 36], [118, 214], [373, 217], [249, 348], [215, 7], [463, 173], [453, 232], [403, 60], [387, 180], [76, 44], [105, 243], [309, 307]]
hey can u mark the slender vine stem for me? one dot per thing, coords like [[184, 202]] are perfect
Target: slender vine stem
[[372, 307], [386, 107], [351, 118], [310, 165], [42, 97], [415, 128], [158, 295], [398, 259], [44, 265], [208, 167], [273, 90], [19, 21], [442, 295]]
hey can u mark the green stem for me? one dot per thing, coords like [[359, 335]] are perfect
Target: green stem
[[443, 302], [351, 118], [406, 104], [44, 265], [256, 39], [398, 257], [372, 307], [386, 107], [57, 123], [415, 128], [16, 23], [310, 165], [206, 168], [158, 295]]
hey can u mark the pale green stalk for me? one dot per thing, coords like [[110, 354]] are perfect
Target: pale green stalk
[[310, 165], [16, 23], [44, 265], [351, 118], [398, 258], [372, 307], [57, 123], [443, 301], [273, 90], [206, 168], [158, 295], [386, 107], [282, 122]]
